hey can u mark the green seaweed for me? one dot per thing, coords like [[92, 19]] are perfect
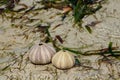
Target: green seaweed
[[110, 48], [73, 51], [6, 67], [82, 9], [2, 2], [88, 29]]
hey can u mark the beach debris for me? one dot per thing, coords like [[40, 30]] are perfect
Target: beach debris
[[63, 60], [41, 53]]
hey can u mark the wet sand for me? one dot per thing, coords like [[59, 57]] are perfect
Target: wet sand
[[18, 35]]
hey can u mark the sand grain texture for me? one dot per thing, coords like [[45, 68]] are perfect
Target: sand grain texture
[[16, 40]]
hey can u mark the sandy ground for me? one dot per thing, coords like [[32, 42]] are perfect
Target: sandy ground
[[18, 35]]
